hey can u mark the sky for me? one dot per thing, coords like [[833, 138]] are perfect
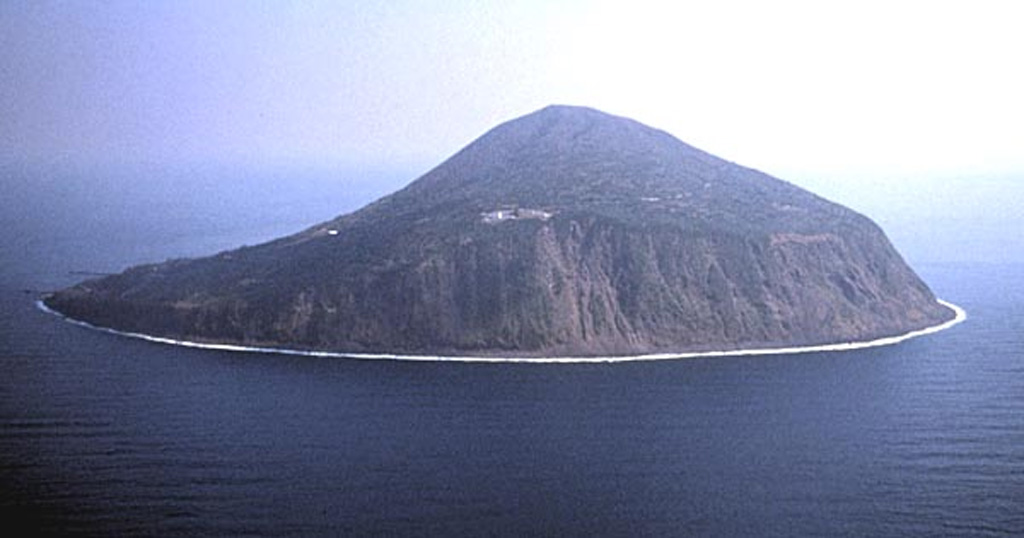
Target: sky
[[890, 106]]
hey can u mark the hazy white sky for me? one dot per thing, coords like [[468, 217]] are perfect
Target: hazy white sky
[[909, 111], [790, 87]]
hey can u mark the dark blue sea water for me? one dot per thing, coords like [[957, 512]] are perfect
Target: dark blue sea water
[[105, 435]]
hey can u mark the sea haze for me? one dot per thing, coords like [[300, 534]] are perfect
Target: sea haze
[[105, 435]]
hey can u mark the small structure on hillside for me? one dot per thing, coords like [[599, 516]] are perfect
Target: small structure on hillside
[[516, 213]]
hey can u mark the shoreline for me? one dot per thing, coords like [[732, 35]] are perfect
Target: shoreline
[[959, 317]]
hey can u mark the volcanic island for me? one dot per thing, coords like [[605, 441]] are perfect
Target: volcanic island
[[567, 232]]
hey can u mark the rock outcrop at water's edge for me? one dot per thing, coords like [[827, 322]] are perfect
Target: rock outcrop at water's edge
[[565, 232]]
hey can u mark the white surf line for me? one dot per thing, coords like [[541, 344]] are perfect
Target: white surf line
[[960, 316]]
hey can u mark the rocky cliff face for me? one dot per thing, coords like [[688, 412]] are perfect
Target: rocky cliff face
[[565, 232]]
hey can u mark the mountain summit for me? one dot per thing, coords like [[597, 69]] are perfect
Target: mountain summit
[[567, 231]]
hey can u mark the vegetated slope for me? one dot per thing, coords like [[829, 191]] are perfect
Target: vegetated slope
[[565, 232]]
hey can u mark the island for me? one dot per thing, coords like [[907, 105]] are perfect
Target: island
[[567, 232]]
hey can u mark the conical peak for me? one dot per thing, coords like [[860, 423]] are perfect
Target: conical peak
[[570, 114], [567, 110], [570, 159], [559, 149], [565, 123]]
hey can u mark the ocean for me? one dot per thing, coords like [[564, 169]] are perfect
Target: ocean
[[108, 435]]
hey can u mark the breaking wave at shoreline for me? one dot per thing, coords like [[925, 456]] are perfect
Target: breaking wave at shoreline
[[960, 316]]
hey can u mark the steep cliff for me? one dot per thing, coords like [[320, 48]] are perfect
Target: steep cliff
[[565, 232]]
